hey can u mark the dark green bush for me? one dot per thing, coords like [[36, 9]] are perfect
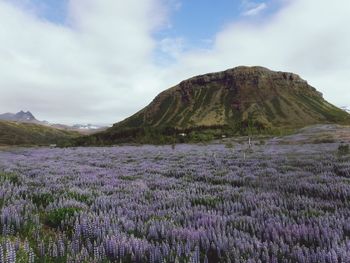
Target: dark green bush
[[55, 217], [79, 197], [343, 149], [262, 142], [208, 201], [129, 177], [11, 177], [42, 199], [229, 145]]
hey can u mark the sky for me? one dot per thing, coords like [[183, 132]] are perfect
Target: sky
[[99, 61]]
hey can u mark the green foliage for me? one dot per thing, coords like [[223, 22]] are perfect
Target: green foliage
[[84, 198], [42, 199], [171, 136], [13, 133], [262, 142], [323, 139], [55, 217], [270, 114], [22, 256], [343, 149], [10, 177], [164, 108], [128, 178], [149, 195], [209, 94], [200, 98], [328, 111], [229, 145], [278, 107], [310, 213], [207, 201], [200, 136]]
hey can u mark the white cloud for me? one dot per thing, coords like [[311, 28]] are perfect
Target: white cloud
[[256, 10], [95, 69], [310, 38], [100, 67], [173, 47]]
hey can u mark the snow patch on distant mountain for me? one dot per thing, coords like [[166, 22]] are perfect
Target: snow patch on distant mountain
[[346, 108], [28, 117], [87, 126], [19, 116]]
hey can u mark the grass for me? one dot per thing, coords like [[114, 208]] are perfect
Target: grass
[[14, 133], [54, 218], [208, 201], [278, 107], [169, 135], [10, 177], [343, 149], [42, 199]]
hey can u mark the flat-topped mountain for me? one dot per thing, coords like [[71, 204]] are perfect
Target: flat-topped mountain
[[233, 97], [238, 98]]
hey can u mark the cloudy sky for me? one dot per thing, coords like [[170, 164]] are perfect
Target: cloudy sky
[[98, 61]]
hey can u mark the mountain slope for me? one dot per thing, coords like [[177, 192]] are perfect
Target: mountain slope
[[346, 108], [270, 98], [28, 117], [16, 133], [19, 116], [236, 98]]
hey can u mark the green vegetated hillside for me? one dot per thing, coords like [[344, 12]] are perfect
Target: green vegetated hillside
[[235, 101], [16, 133]]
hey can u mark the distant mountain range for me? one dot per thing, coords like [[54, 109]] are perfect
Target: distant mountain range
[[28, 117], [22, 128], [234, 101], [88, 127], [238, 101], [27, 133], [19, 116], [346, 108]]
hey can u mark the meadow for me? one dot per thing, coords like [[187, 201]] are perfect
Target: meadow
[[193, 203]]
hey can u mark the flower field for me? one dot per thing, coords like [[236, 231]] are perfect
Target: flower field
[[188, 204]]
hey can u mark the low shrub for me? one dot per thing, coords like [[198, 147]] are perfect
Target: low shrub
[[343, 149], [42, 199], [55, 217], [11, 177]]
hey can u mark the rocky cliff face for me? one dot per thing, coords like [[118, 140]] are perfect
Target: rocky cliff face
[[25, 116], [236, 97], [19, 117]]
